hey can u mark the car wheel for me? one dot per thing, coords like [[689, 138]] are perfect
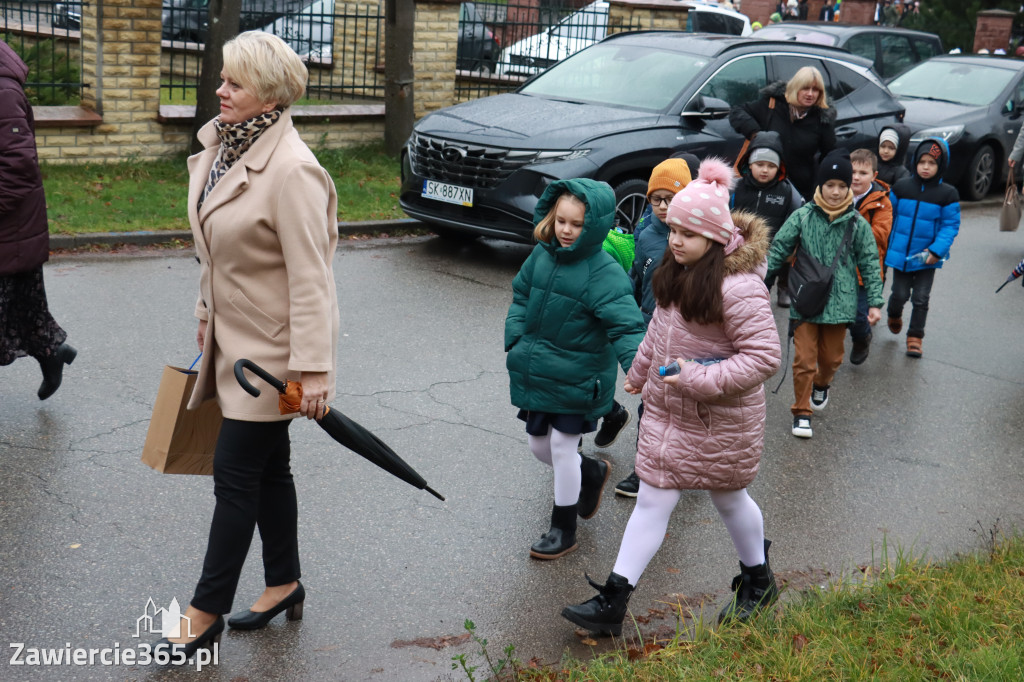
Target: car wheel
[[980, 174], [630, 202], [452, 235]]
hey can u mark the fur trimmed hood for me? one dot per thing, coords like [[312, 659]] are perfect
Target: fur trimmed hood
[[752, 255]]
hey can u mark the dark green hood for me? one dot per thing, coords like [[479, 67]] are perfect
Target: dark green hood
[[598, 216]]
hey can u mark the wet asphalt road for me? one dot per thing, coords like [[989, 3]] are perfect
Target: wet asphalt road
[[923, 454]]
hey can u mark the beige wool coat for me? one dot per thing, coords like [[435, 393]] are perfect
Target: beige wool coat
[[265, 238]]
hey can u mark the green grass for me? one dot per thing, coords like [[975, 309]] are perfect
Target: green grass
[[133, 195], [908, 620]]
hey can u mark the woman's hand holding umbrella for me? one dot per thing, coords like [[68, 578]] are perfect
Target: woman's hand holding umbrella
[[343, 429], [314, 395]]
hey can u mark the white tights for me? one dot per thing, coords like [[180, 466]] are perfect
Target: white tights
[[558, 450], [649, 522]]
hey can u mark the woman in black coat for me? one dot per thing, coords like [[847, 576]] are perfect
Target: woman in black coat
[[26, 326], [799, 113]]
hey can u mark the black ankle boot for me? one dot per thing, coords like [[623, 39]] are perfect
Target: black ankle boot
[[53, 369], [561, 539], [595, 473], [605, 612], [754, 590]]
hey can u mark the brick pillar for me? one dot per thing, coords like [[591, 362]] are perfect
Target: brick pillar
[[356, 52], [992, 30], [759, 10], [121, 66], [857, 12], [434, 50]]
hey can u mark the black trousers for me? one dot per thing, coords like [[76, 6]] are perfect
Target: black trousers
[[253, 485], [916, 287]]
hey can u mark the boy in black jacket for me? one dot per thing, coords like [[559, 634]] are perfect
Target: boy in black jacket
[[763, 189], [893, 143]]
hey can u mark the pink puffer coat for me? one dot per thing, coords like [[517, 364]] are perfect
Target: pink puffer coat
[[707, 431]]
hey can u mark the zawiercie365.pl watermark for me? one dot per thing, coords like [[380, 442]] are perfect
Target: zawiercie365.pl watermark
[[159, 622]]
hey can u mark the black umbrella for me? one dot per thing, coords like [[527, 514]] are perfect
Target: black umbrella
[[344, 430], [1014, 274]]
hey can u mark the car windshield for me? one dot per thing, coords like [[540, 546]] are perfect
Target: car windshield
[[800, 35], [958, 82], [619, 75]]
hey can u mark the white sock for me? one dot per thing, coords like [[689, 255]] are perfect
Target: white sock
[[645, 530], [743, 518]]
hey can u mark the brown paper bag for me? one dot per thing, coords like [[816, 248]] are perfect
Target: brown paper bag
[[1009, 216], [180, 441]]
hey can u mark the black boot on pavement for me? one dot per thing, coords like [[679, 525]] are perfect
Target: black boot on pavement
[[604, 613], [561, 539], [860, 350], [595, 473], [53, 369], [754, 590], [629, 486], [611, 426]]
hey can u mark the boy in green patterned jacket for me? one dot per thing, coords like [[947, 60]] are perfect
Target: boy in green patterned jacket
[[820, 227]]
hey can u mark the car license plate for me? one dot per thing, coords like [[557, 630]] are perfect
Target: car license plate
[[452, 194]]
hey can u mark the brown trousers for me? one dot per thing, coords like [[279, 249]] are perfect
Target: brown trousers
[[818, 352]]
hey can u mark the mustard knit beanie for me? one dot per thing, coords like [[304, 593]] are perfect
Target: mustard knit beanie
[[671, 175]]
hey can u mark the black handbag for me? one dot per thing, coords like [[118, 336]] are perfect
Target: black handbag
[[810, 282]]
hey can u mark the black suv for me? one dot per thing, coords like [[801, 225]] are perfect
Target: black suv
[[612, 112]]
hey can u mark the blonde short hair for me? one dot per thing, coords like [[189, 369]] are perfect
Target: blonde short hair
[[265, 66], [804, 78], [545, 229]]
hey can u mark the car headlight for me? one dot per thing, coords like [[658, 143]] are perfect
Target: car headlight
[[549, 157], [950, 134]]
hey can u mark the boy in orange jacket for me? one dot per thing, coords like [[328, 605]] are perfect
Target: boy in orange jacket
[[871, 197]]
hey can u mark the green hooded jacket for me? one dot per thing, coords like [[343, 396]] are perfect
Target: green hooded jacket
[[810, 226], [572, 315]]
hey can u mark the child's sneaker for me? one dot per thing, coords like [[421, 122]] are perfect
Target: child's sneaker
[[802, 426], [629, 486], [914, 347], [611, 426], [819, 398], [895, 324]]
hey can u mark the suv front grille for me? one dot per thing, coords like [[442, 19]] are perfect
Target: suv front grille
[[467, 165]]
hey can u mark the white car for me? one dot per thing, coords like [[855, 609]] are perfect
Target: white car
[[310, 31], [589, 25]]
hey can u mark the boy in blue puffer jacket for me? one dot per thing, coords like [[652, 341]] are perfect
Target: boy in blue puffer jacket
[[926, 219]]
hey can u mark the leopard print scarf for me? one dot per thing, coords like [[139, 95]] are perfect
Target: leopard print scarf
[[235, 139]]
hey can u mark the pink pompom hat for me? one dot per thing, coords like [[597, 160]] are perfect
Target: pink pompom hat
[[703, 205]]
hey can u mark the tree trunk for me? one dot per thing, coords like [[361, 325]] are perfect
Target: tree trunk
[[398, 73], [224, 17]]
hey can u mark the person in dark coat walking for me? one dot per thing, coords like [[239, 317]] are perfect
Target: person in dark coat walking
[[26, 326], [799, 113], [893, 142]]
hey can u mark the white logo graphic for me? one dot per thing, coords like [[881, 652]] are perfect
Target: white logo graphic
[[161, 621]]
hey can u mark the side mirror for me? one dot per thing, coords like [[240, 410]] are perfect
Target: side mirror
[[707, 107]]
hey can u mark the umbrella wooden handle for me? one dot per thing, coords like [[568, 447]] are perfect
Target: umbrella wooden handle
[[258, 371]]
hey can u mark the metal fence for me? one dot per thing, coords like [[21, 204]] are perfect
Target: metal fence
[[344, 75], [501, 45], [40, 32]]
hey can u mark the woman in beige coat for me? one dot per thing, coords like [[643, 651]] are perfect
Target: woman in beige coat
[[264, 218]]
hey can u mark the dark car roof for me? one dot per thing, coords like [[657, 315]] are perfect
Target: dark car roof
[[848, 29], [714, 44]]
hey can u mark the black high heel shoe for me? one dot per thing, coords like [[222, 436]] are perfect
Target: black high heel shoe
[[254, 620], [175, 651], [53, 369]]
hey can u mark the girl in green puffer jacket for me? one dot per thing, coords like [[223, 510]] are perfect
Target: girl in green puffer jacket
[[572, 318]]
